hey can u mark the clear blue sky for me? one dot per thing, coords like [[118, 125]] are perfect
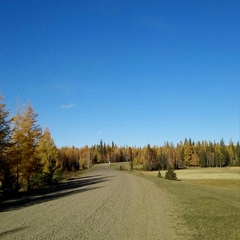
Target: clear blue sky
[[132, 72]]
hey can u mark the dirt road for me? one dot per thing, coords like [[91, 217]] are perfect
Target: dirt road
[[103, 204]]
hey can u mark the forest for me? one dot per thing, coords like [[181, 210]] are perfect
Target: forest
[[30, 159]]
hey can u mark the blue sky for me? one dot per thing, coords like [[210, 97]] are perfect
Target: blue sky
[[132, 72]]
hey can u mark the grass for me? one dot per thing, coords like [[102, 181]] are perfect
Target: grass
[[211, 208], [121, 165], [209, 200], [205, 173], [70, 174]]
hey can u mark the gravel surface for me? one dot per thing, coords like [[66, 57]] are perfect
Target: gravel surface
[[103, 204]]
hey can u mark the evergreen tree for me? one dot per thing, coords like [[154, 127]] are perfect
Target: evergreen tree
[[203, 159], [101, 151], [170, 174], [237, 155], [224, 156], [162, 160], [131, 158], [8, 181], [231, 153]]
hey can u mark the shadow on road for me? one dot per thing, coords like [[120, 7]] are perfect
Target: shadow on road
[[86, 177], [12, 231], [72, 186]]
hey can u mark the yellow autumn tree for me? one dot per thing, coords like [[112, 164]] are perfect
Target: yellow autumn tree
[[48, 155], [188, 151], [26, 135]]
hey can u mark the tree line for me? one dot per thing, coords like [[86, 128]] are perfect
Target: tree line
[[184, 154], [29, 157]]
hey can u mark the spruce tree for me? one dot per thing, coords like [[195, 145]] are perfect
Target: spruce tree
[[8, 181], [170, 174], [203, 158]]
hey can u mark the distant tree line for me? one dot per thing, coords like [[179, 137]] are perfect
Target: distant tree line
[[29, 157], [184, 154]]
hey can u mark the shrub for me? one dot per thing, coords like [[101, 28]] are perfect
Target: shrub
[[58, 176], [170, 174], [43, 179], [9, 183], [40, 179], [146, 167]]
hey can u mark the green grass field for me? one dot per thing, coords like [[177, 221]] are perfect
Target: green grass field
[[209, 199], [212, 207]]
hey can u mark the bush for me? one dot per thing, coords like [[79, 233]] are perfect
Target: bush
[[9, 183], [39, 180], [43, 179], [146, 167], [170, 174], [58, 176]]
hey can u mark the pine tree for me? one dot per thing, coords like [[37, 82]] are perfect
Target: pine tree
[[131, 159], [224, 156], [170, 174], [4, 134], [237, 154], [8, 181], [203, 158], [101, 151]]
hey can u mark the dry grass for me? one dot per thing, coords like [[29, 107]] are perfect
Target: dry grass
[[71, 174], [228, 184], [204, 173], [124, 165]]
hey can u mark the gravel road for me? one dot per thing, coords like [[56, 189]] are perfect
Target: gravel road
[[103, 204]]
